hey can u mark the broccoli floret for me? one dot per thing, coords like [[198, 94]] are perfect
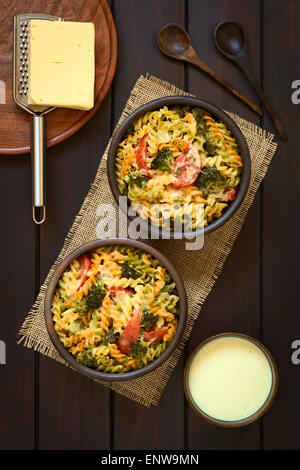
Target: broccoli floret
[[95, 297], [137, 350], [169, 284], [169, 288], [209, 176], [210, 148], [178, 110], [81, 307], [198, 114], [136, 177], [163, 161], [85, 358], [75, 327], [202, 129], [148, 319], [201, 124], [130, 271], [111, 336], [131, 130]]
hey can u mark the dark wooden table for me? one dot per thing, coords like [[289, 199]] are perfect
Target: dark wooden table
[[46, 405]]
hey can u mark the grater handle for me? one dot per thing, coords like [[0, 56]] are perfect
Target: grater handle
[[38, 152]]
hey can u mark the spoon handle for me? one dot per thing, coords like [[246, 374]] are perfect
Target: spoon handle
[[195, 59], [246, 68]]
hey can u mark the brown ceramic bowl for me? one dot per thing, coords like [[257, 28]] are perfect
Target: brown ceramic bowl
[[249, 419], [94, 374], [216, 112]]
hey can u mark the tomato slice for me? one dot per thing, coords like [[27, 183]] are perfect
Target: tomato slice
[[85, 264], [115, 291], [155, 335], [228, 195], [187, 166], [131, 333], [141, 156]]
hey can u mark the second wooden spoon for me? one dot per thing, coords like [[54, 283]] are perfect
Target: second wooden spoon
[[231, 40]]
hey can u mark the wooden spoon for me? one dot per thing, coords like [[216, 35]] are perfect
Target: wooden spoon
[[231, 40], [175, 42]]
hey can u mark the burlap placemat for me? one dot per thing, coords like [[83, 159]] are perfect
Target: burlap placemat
[[198, 272]]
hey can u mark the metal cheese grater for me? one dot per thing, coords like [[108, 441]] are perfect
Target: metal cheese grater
[[20, 91]]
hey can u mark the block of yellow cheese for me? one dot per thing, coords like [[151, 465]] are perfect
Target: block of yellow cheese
[[61, 64]]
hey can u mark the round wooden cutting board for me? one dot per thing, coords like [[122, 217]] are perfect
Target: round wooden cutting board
[[60, 123]]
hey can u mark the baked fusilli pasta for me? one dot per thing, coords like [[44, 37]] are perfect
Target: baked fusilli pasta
[[175, 160], [115, 309]]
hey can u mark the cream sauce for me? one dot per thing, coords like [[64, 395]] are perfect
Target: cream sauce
[[229, 378]]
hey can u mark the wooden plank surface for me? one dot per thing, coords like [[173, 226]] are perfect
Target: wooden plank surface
[[281, 226], [136, 427], [46, 405], [234, 304], [17, 283]]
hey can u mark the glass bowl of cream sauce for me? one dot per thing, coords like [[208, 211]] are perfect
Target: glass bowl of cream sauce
[[231, 379]]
